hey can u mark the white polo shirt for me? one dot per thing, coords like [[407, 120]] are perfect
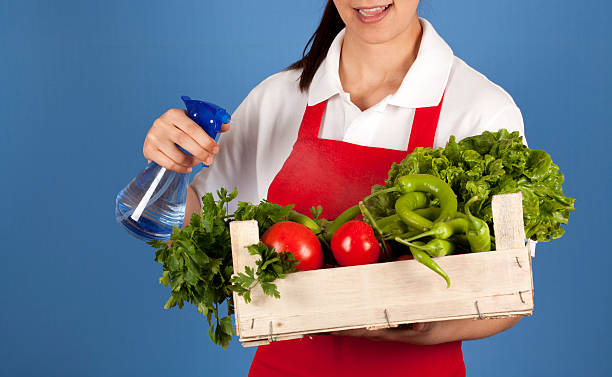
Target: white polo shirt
[[265, 125]]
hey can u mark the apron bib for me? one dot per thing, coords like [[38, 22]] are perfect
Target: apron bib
[[336, 175]]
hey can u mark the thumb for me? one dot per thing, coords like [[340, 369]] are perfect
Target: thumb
[[419, 326]]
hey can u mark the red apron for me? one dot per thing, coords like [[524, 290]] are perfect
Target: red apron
[[337, 175]]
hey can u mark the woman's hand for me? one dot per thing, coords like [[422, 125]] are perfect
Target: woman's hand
[[414, 333], [174, 128], [429, 333]]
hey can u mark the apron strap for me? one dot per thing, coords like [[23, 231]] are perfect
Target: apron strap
[[311, 121], [424, 126]]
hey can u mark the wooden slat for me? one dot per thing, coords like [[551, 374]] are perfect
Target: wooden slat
[[508, 221], [243, 234], [262, 340], [267, 340]]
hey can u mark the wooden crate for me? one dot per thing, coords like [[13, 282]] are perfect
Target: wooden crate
[[483, 285]]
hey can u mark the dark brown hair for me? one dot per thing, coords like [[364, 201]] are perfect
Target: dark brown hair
[[319, 43]]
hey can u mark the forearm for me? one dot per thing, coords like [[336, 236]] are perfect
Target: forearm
[[437, 332], [459, 329], [191, 206]]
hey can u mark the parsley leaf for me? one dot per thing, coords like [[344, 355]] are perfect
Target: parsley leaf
[[270, 266]]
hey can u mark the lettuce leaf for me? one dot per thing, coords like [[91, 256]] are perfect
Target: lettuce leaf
[[489, 164]]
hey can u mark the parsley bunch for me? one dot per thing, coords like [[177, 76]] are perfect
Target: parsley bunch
[[197, 262]]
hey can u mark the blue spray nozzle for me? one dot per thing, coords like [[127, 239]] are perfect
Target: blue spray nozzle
[[207, 115], [223, 116]]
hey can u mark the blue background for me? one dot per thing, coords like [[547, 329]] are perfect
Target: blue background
[[81, 82]]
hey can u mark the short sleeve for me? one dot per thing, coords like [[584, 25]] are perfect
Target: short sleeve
[[508, 117]]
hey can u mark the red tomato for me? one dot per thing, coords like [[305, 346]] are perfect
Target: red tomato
[[297, 239], [354, 244]]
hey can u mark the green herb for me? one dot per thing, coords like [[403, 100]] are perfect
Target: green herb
[[197, 262], [485, 165], [270, 267]]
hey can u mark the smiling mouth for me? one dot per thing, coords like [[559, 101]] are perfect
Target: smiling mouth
[[372, 12]]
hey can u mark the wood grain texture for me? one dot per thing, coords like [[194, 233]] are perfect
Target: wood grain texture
[[242, 234], [508, 221], [483, 285]]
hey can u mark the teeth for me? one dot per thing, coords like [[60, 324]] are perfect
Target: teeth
[[371, 11]]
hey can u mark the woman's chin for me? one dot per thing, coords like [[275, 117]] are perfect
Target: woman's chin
[[374, 35]]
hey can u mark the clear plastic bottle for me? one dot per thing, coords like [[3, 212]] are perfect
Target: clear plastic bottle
[[153, 203]]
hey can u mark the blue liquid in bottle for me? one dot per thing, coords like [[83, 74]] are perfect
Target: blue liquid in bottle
[[153, 203]]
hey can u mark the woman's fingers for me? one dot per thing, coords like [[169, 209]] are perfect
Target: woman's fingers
[[163, 160], [191, 133], [410, 333], [420, 327], [171, 150], [225, 127], [174, 128], [185, 141], [378, 335]]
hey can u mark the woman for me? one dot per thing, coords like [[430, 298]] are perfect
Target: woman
[[377, 82]]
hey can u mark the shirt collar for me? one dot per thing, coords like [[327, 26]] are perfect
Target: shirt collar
[[326, 81], [423, 85]]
